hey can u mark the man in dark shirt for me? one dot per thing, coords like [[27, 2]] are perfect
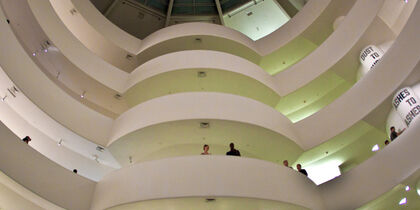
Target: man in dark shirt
[[303, 171], [394, 133], [27, 139], [233, 151]]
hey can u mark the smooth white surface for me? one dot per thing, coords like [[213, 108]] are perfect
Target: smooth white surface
[[73, 49], [48, 147], [206, 105], [40, 175], [22, 115], [377, 85], [201, 59], [324, 57], [105, 27], [43, 92], [377, 175], [206, 176], [14, 196]]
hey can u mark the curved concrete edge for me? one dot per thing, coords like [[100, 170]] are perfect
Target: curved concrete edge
[[296, 26], [223, 176], [90, 37], [377, 175], [196, 29], [62, 155], [332, 50], [201, 59], [369, 92], [105, 27], [24, 118], [40, 175], [184, 106], [46, 94], [74, 50], [24, 193]]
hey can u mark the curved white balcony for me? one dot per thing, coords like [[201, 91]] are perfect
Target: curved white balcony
[[206, 176], [105, 27], [186, 177], [333, 49], [185, 106], [377, 85], [377, 175], [46, 94], [52, 184], [74, 50]]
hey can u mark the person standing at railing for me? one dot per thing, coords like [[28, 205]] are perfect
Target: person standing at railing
[[206, 150], [27, 139], [301, 170], [286, 163], [395, 134], [233, 151]]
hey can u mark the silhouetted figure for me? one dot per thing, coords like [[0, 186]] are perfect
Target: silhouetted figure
[[206, 150], [233, 151], [386, 142], [27, 139], [394, 134], [303, 171], [75, 171]]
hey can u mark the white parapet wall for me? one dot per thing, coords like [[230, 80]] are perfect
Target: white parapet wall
[[206, 176]]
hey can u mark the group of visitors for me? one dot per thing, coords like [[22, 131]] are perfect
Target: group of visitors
[[235, 152], [231, 152], [298, 167]]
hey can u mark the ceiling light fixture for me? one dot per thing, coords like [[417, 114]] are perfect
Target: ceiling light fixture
[[403, 201], [201, 74], [204, 124], [99, 148], [407, 188], [83, 94], [96, 158], [375, 148]]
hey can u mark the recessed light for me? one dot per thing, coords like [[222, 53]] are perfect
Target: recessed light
[[83, 94], [204, 124], [99, 148], [402, 201], [407, 188], [375, 148], [201, 74]]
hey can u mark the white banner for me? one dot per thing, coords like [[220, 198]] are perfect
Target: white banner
[[370, 56], [407, 105]]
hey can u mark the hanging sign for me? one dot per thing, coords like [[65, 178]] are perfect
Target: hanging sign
[[370, 56], [407, 105]]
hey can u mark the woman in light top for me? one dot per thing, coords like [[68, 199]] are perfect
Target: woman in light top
[[206, 150]]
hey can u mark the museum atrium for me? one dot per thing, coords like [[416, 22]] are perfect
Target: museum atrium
[[108, 104]]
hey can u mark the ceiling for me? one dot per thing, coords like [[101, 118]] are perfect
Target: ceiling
[[153, 15]]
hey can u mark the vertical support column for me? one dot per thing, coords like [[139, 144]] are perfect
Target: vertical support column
[[169, 12], [219, 10], [109, 9]]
